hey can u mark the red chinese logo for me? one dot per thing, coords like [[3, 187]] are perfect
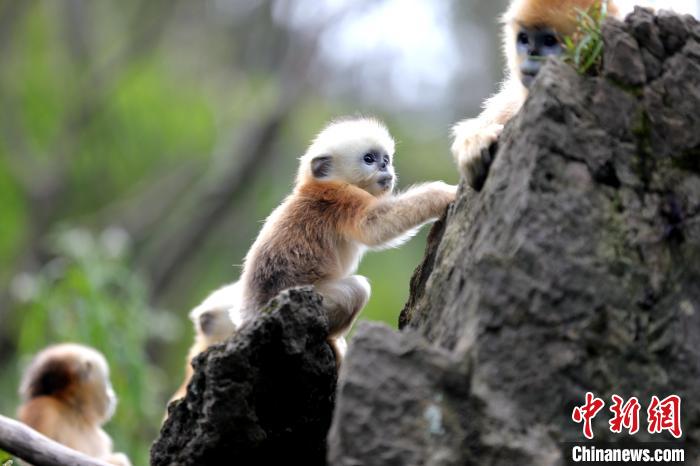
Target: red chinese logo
[[587, 412], [625, 415], [662, 415], [665, 415]]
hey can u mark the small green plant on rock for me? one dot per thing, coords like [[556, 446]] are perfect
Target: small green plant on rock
[[584, 48]]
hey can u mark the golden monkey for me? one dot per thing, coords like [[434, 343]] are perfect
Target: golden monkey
[[67, 396], [213, 323], [342, 204], [532, 31]]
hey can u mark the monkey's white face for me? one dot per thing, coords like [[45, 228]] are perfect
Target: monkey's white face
[[215, 324], [367, 166], [359, 152], [378, 173], [212, 318]]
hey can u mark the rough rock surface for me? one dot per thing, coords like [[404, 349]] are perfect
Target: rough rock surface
[[575, 269], [263, 397]]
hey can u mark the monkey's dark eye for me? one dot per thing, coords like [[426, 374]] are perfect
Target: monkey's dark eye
[[523, 38], [369, 159], [386, 160], [550, 40]]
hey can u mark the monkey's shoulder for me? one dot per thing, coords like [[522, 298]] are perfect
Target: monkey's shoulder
[[43, 413], [335, 203]]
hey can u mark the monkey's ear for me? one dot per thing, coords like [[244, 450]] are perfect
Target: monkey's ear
[[321, 166]]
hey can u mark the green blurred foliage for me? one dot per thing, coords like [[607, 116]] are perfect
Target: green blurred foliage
[[159, 116], [90, 294], [584, 48]]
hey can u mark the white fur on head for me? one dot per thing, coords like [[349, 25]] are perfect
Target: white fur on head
[[343, 140], [508, 40], [219, 307]]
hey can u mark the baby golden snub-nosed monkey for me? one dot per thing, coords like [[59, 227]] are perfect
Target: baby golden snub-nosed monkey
[[67, 396], [214, 321], [532, 31], [342, 204]]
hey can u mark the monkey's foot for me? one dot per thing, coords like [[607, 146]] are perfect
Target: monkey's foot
[[339, 346]]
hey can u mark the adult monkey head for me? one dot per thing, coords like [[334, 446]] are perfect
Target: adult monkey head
[[532, 31]]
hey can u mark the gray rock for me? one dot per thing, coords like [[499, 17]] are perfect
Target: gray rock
[[674, 30], [646, 32], [263, 397], [623, 59], [410, 391], [576, 268]]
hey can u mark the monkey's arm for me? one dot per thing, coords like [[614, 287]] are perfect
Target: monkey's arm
[[389, 219], [472, 137]]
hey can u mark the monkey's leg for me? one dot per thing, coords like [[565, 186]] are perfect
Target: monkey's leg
[[339, 346], [343, 300]]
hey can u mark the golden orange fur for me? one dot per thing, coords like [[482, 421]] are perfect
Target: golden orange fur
[[67, 396], [342, 204], [197, 348], [557, 14]]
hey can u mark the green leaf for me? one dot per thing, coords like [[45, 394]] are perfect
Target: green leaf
[[584, 48], [593, 56]]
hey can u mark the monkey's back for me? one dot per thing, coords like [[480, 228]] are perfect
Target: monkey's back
[[57, 420], [303, 242]]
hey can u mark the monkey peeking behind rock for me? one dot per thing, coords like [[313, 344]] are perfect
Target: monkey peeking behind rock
[[532, 31], [67, 396], [341, 205], [214, 320]]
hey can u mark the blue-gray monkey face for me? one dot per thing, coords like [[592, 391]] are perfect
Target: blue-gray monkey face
[[533, 45], [369, 168], [377, 164]]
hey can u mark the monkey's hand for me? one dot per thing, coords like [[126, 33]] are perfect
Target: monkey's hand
[[473, 149], [444, 194]]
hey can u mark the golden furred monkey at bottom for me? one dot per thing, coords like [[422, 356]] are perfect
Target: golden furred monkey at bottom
[[341, 205], [67, 396], [532, 31], [214, 321]]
